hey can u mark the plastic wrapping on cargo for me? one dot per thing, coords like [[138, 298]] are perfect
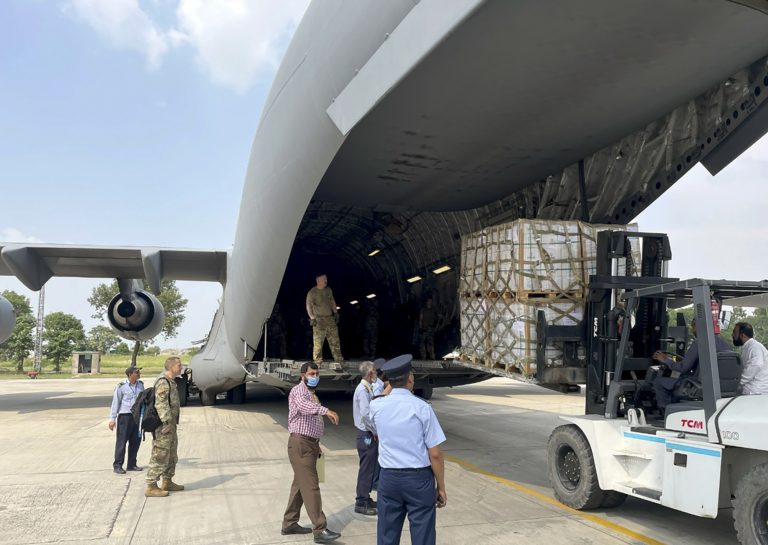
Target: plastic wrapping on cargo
[[513, 333], [509, 272]]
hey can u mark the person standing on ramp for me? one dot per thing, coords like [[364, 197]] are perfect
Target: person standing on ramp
[[324, 319]]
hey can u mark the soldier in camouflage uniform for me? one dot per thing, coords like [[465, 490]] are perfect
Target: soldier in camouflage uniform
[[371, 335], [427, 327], [162, 462], [323, 317]]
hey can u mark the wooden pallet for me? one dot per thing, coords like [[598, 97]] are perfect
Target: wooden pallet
[[507, 295], [549, 296]]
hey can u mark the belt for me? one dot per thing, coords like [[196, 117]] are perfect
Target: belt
[[300, 436], [407, 469]]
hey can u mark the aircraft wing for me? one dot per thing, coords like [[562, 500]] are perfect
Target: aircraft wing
[[35, 264]]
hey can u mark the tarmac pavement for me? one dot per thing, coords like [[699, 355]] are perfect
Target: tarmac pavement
[[57, 483]]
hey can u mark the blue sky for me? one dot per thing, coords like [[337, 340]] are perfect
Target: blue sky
[[126, 122], [130, 123]]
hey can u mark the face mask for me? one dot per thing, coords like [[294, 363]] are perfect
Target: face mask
[[737, 341], [312, 382]]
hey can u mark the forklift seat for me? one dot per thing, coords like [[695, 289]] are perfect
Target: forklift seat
[[729, 369]]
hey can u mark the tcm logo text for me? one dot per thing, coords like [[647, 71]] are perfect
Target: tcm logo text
[[695, 424]]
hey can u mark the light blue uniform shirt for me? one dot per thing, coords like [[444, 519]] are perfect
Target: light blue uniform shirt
[[378, 387], [360, 407], [124, 396], [407, 427]]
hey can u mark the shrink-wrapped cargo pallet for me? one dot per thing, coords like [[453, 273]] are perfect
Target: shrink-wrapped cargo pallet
[[512, 337], [509, 272]]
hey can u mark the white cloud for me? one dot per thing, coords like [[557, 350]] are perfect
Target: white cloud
[[238, 40], [11, 234], [716, 224], [126, 26], [235, 41]]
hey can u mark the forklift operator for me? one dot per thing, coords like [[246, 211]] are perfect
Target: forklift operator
[[664, 386]]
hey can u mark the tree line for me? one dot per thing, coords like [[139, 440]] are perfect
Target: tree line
[[758, 318], [64, 333]]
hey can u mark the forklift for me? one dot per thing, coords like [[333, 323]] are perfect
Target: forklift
[[708, 448]]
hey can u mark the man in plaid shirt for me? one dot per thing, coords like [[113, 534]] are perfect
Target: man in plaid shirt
[[305, 426]]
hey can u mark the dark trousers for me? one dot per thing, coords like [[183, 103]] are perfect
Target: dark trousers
[[305, 489], [411, 492], [127, 432], [664, 386], [369, 455]]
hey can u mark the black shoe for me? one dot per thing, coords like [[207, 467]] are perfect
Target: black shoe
[[120, 470], [326, 536], [365, 510], [296, 529], [135, 468], [372, 503]]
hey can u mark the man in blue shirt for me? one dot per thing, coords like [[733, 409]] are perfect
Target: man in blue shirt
[[366, 443], [120, 416], [379, 386], [410, 458], [665, 386]]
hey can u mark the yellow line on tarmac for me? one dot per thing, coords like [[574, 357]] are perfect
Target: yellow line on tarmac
[[551, 501]]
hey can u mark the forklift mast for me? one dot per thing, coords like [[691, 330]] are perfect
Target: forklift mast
[[605, 313]]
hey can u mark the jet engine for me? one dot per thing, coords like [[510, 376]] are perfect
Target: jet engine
[[137, 317], [7, 319]]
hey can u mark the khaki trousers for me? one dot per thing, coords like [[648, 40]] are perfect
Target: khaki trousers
[[326, 328], [162, 461], [305, 489]]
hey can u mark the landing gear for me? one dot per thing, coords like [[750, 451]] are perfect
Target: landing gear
[[750, 507], [207, 398], [572, 469], [182, 387], [236, 395]]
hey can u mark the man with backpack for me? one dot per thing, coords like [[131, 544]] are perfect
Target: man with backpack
[[162, 463], [120, 416]]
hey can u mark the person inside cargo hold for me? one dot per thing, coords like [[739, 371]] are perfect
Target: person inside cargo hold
[[427, 327], [664, 386]]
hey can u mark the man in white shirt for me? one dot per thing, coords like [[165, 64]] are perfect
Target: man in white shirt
[[366, 441], [754, 360]]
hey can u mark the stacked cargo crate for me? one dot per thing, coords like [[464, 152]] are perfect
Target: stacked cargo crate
[[508, 273]]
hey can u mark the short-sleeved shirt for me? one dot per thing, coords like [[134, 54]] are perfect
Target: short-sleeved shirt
[[124, 397], [407, 427], [378, 387], [321, 301]]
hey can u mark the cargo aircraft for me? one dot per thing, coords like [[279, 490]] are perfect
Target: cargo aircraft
[[394, 128]]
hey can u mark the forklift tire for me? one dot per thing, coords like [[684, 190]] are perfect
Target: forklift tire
[[750, 507], [237, 395], [572, 470], [182, 387], [207, 398], [612, 499]]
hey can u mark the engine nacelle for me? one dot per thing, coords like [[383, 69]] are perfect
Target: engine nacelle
[[7, 319], [138, 318]]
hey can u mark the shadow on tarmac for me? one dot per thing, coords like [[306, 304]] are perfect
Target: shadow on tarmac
[[211, 482], [46, 401]]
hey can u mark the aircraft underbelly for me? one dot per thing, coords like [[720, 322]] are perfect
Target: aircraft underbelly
[[520, 90]]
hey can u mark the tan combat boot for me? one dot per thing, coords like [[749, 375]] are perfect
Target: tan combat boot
[[171, 486], [153, 491]]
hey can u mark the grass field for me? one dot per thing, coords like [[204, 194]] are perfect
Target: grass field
[[112, 365]]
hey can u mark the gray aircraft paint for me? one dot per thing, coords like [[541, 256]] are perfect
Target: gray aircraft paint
[[510, 92]]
